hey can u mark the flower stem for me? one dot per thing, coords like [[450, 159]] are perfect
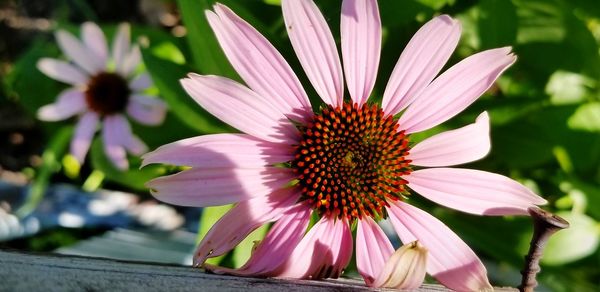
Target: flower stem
[[544, 225]]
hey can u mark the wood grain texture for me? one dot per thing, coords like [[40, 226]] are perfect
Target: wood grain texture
[[51, 272]]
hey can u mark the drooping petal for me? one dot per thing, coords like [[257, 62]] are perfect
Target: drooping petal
[[121, 45], [95, 41], [456, 89], [131, 61], [221, 150], [141, 82], [373, 249], [323, 252], [260, 65], [314, 45], [241, 220], [276, 247], [78, 52], [451, 261], [146, 110], [361, 46], [62, 71], [473, 191], [69, 103], [405, 269], [421, 60], [463, 145], [122, 135], [240, 107], [201, 187], [115, 131], [84, 133]]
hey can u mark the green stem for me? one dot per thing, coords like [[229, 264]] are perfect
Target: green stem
[[50, 164]]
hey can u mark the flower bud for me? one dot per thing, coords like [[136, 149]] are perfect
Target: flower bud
[[405, 269]]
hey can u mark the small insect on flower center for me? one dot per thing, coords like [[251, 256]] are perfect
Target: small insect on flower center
[[351, 160], [107, 93]]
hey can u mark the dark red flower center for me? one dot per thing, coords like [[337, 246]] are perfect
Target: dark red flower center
[[351, 160], [107, 93]]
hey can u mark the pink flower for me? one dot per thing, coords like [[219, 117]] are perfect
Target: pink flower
[[351, 161], [102, 89]]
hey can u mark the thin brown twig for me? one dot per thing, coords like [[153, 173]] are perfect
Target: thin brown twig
[[544, 225]]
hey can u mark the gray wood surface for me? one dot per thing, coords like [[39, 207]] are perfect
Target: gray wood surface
[[51, 272]]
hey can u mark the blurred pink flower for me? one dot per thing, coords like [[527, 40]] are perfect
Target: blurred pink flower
[[351, 161], [103, 90]]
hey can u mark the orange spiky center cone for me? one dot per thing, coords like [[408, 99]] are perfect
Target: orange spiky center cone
[[350, 161]]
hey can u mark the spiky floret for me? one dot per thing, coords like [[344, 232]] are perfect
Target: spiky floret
[[107, 93], [350, 160]]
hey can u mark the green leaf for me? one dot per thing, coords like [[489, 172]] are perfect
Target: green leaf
[[210, 216], [489, 234], [132, 178], [166, 76], [573, 185], [568, 87], [168, 51], [540, 20], [24, 74], [530, 141], [497, 23], [436, 4], [586, 118], [576, 242], [244, 250], [207, 55]]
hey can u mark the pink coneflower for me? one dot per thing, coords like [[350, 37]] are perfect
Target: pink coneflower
[[348, 162], [102, 89]]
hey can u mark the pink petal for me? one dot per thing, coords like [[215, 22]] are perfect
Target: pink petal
[[456, 89], [373, 249], [201, 187], [115, 133], [136, 146], [62, 71], [361, 46], [473, 191], [69, 103], [240, 107], [260, 65], [314, 45], [240, 221], [94, 40], [79, 53], [131, 61], [121, 45], [221, 150], [276, 247], [121, 132], [146, 110], [84, 133], [141, 82], [421, 60], [450, 261], [463, 145], [324, 251]]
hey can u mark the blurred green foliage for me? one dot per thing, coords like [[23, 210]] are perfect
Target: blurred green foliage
[[545, 112]]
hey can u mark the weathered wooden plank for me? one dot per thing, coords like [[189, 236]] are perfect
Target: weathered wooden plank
[[51, 272], [175, 247]]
